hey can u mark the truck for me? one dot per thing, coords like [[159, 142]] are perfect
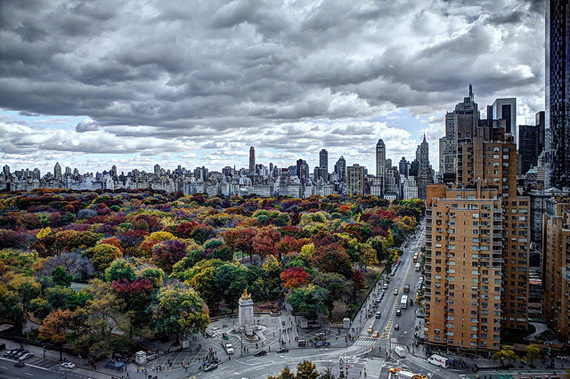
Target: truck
[[404, 302], [438, 360]]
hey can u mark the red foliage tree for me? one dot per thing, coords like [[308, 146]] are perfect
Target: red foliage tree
[[294, 277], [240, 240], [266, 242], [357, 280]]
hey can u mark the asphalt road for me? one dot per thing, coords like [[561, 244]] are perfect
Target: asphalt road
[[9, 371]]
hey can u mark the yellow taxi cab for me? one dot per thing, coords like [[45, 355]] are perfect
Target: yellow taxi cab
[[369, 330], [394, 370], [375, 334]]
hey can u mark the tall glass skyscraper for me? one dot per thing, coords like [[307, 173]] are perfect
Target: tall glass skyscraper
[[557, 76]]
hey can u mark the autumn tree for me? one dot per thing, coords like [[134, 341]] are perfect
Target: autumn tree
[[294, 277], [358, 281], [307, 370], [178, 309], [240, 240], [167, 253], [332, 258], [266, 242], [102, 255], [56, 327]]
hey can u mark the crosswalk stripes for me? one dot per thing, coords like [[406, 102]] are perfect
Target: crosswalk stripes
[[365, 342], [45, 363]]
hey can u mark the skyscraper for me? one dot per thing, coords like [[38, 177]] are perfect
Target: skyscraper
[[6, 171], [404, 167], [425, 174], [557, 76], [381, 162], [461, 123], [506, 109], [252, 161], [303, 171], [531, 143], [57, 170], [340, 169], [324, 164]]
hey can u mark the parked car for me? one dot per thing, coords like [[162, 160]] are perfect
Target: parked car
[[228, 347], [8, 353], [283, 350], [385, 286], [260, 353], [19, 354], [68, 365], [26, 356], [210, 367]]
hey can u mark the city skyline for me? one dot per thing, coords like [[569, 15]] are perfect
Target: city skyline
[[183, 119]]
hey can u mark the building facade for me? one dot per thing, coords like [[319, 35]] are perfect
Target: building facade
[[355, 179], [556, 266], [477, 241]]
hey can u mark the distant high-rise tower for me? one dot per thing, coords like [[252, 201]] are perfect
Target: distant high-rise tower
[[557, 77], [57, 171], [6, 171], [340, 169], [531, 144], [324, 164], [157, 169], [252, 161], [506, 109], [425, 175], [459, 124], [404, 167], [381, 162]]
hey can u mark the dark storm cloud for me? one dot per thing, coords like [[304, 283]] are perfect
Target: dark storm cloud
[[202, 70]]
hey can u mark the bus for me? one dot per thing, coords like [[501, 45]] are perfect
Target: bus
[[404, 302]]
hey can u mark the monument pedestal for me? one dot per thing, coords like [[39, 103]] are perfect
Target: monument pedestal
[[245, 314]]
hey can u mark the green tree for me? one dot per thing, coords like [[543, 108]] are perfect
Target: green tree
[[230, 279], [178, 309], [309, 300], [61, 277]]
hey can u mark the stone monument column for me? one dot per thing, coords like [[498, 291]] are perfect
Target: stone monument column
[[245, 315]]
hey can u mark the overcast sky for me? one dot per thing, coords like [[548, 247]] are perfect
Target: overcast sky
[[92, 83]]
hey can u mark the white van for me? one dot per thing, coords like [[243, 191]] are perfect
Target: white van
[[438, 360], [417, 266]]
